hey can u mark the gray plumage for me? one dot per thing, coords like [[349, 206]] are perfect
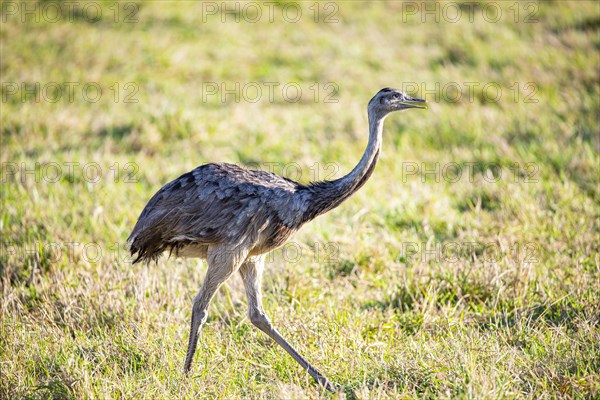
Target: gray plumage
[[218, 203], [232, 216]]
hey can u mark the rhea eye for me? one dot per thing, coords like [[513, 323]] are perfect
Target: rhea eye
[[395, 96]]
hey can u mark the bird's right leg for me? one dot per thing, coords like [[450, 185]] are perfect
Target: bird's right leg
[[251, 271], [222, 263]]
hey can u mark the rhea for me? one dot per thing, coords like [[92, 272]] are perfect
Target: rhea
[[233, 216]]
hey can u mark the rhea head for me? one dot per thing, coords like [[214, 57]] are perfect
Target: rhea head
[[388, 100]]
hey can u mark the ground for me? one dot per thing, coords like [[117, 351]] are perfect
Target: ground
[[467, 266]]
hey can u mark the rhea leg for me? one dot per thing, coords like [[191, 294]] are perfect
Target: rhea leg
[[222, 263], [251, 271]]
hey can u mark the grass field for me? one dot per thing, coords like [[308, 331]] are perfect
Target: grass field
[[467, 267]]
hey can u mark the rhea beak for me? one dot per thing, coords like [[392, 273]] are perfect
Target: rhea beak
[[409, 102]]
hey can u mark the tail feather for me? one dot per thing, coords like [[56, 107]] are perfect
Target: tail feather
[[149, 244], [146, 246]]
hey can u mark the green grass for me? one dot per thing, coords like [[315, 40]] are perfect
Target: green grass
[[419, 286]]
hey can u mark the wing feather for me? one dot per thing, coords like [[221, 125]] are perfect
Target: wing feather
[[212, 204]]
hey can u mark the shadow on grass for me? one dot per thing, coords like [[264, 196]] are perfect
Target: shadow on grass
[[56, 389], [484, 307], [567, 313], [418, 380]]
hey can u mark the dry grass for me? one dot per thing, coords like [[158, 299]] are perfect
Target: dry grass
[[421, 285]]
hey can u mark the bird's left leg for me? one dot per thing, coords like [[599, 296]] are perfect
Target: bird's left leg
[[223, 261], [251, 271]]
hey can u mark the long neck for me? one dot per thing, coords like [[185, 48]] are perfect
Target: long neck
[[326, 196]]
